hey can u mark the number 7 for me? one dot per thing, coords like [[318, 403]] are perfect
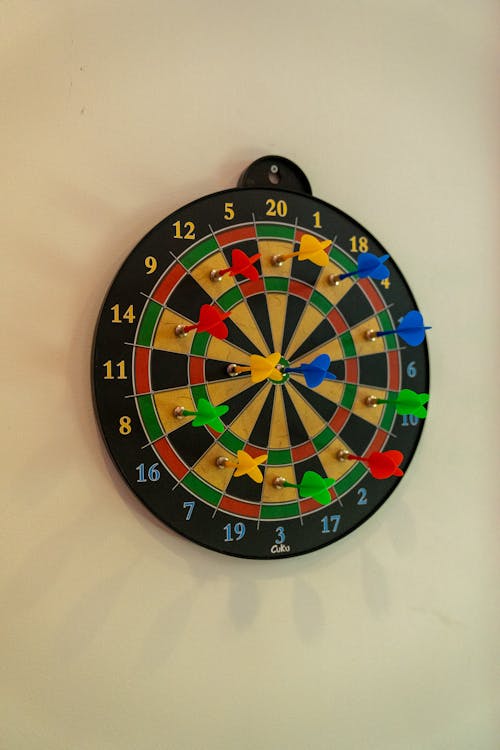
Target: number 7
[[189, 504]]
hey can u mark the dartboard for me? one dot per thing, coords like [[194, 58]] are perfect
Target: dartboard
[[260, 371]]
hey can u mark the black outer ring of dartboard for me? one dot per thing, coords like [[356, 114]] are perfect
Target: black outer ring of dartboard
[[94, 381]]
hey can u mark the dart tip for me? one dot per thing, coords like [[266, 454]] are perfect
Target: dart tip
[[333, 279], [279, 482], [180, 330]]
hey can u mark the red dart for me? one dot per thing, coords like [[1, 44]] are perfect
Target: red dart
[[381, 465], [241, 264], [244, 265], [210, 322]]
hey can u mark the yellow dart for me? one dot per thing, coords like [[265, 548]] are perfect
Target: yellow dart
[[245, 464], [310, 248], [260, 368], [265, 367]]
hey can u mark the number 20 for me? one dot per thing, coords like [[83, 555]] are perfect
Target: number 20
[[276, 208]]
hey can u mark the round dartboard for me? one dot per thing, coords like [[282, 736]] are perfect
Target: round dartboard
[[260, 369]]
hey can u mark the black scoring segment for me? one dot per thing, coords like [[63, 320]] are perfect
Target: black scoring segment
[[216, 369], [308, 464], [238, 339], [304, 270], [294, 310], [240, 402], [357, 434], [354, 306], [373, 370], [168, 370], [337, 367], [321, 405], [296, 430], [244, 487], [190, 442], [187, 298], [258, 307], [322, 334], [262, 427]]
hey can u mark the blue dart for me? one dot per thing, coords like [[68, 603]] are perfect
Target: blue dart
[[369, 266], [411, 329], [314, 372]]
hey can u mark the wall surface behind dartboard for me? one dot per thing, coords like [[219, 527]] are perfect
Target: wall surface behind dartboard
[[117, 633]]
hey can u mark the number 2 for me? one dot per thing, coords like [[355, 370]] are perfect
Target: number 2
[[362, 493]]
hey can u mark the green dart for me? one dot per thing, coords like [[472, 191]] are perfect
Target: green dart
[[205, 414], [311, 485], [406, 402]]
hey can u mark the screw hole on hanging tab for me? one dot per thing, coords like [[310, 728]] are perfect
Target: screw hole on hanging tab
[[275, 170], [274, 174]]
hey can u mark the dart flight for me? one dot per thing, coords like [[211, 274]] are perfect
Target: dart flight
[[408, 402], [310, 248], [206, 414], [210, 321], [313, 485], [411, 329], [369, 266], [248, 465], [260, 368], [314, 372], [380, 465]]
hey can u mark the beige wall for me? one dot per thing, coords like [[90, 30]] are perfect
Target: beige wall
[[117, 633]]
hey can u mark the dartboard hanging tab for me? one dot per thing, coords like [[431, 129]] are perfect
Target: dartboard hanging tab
[[275, 171]]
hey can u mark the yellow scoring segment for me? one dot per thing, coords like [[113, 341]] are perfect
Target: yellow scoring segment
[[246, 464]]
